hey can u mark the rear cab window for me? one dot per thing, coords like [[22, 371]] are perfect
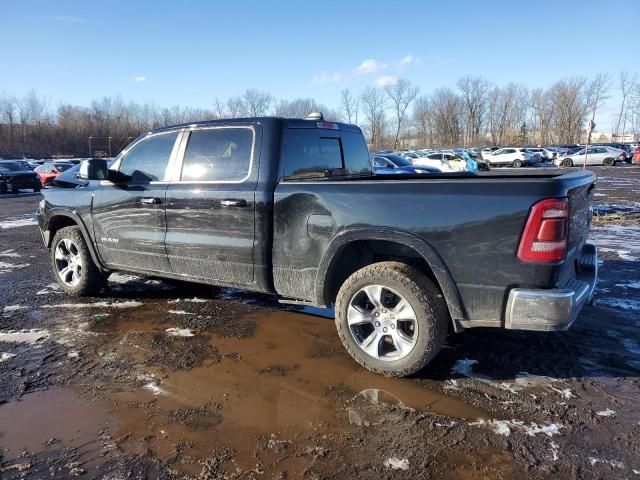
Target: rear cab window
[[319, 153]]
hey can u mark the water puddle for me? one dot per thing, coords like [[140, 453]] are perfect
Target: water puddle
[[269, 379]]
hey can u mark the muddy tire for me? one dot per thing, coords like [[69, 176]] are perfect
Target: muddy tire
[[609, 162], [391, 318], [72, 264], [567, 162]]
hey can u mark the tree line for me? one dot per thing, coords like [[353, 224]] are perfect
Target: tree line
[[474, 112]]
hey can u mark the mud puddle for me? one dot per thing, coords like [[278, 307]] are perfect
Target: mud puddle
[[266, 383]]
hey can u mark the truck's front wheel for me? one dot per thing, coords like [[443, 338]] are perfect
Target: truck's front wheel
[[72, 264], [391, 318]]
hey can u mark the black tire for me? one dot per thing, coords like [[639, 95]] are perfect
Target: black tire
[[567, 162], [609, 162], [37, 187], [3, 188], [517, 163], [91, 279], [424, 297]]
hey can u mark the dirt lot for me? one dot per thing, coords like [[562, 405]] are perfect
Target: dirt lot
[[157, 380]]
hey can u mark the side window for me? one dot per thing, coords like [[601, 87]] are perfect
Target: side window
[[147, 161], [308, 154], [380, 162], [218, 154], [356, 155]]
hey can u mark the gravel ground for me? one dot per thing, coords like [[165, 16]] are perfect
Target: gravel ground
[[153, 379]]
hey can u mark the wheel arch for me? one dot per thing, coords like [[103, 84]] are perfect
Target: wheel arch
[[58, 219], [355, 249]]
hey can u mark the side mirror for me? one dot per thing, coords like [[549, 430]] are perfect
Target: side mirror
[[94, 169]]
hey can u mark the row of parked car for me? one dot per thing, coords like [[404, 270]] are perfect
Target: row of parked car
[[561, 156], [17, 174]]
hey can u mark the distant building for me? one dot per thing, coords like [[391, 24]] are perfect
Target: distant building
[[608, 137]]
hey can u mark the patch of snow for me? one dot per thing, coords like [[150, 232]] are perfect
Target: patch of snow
[[606, 413], [565, 393], [19, 221], [192, 300], [465, 367], [118, 277], [635, 285], [14, 308], [504, 427], [154, 388], [180, 312], [617, 239], [395, 463], [51, 288], [554, 450], [23, 336], [631, 345], [6, 356], [179, 332], [613, 463], [73, 354], [128, 304], [10, 253], [10, 267]]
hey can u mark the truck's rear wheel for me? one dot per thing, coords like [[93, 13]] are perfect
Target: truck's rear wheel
[[391, 318], [72, 264]]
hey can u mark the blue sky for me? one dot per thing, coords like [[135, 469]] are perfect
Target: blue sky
[[190, 52]]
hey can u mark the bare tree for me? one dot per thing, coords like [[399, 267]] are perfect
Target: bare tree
[[597, 92], [235, 107], [401, 93], [218, 106], [627, 84], [373, 107], [423, 120], [349, 106], [256, 103], [474, 97]]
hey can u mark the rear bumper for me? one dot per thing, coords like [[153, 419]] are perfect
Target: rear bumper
[[554, 309]]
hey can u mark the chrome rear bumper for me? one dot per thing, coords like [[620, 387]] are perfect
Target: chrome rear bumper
[[554, 309]]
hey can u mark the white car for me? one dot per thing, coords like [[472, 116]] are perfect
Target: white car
[[485, 153], [511, 156], [444, 161], [595, 156]]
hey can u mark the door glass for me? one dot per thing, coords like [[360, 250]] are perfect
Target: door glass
[[148, 160], [219, 154]]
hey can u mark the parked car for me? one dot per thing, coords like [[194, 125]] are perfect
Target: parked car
[[388, 164], [487, 151], [51, 170], [402, 260], [71, 178], [509, 156], [14, 176], [595, 156]]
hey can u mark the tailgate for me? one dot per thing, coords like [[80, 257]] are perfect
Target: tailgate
[[580, 211]]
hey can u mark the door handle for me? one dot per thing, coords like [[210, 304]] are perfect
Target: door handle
[[151, 201], [233, 203]]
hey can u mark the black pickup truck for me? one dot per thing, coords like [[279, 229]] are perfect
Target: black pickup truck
[[292, 207]]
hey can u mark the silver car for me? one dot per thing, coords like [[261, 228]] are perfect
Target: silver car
[[595, 156]]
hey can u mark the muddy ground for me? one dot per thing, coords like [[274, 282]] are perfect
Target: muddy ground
[[153, 379]]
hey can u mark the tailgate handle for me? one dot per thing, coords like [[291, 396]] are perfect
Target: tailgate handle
[[229, 202], [151, 201]]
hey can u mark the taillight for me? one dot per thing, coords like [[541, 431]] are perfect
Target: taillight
[[545, 235]]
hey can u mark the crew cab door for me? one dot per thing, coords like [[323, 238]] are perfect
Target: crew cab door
[[211, 205], [129, 208]]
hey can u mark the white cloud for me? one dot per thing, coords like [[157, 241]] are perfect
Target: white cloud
[[408, 60], [370, 66], [385, 80], [326, 77], [140, 78]]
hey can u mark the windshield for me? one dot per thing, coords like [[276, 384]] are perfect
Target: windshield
[[62, 167], [11, 167], [399, 161]]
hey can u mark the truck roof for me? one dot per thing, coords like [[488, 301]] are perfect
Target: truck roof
[[270, 121]]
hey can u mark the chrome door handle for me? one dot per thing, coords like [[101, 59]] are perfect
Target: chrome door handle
[[151, 201], [233, 203]]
